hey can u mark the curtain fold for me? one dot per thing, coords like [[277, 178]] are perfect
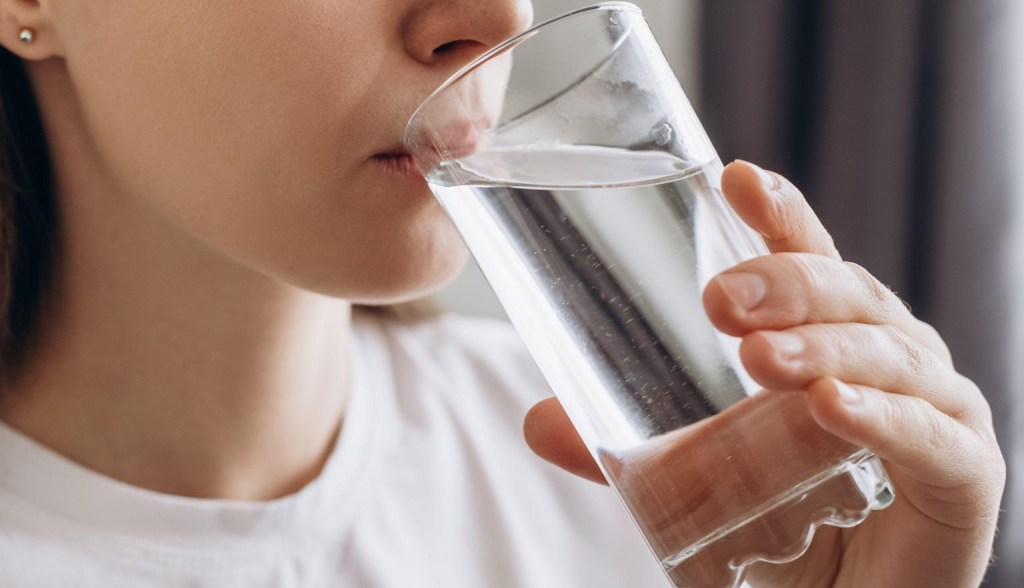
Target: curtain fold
[[895, 117]]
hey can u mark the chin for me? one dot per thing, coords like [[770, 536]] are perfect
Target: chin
[[402, 287], [386, 277]]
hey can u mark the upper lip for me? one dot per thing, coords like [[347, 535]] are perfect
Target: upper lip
[[453, 140]]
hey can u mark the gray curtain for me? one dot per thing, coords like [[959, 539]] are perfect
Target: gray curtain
[[893, 116]]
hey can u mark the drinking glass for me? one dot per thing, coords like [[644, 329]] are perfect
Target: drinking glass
[[576, 171]]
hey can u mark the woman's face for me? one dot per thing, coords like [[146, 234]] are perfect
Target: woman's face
[[267, 129]]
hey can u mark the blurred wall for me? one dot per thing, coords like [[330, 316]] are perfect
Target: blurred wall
[[673, 22]]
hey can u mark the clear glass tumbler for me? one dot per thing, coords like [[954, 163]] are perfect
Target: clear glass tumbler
[[578, 174]]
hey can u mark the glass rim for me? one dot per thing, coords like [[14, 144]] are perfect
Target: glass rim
[[503, 47]]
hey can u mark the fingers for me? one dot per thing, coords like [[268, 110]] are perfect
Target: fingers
[[878, 356], [781, 291], [550, 435], [772, 206], [920, 441]]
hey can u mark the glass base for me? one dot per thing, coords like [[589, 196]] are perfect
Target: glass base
[[782, 529]]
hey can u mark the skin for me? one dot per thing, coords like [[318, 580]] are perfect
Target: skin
[[871, 374], [221, 207]]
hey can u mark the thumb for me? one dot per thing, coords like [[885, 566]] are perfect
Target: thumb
[[550, 435], [772, 206]]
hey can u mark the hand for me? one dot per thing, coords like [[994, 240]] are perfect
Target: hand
[[870, 374]]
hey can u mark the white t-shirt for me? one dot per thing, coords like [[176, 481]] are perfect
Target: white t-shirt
[[430, 485]]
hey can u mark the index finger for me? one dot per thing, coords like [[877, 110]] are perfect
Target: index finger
[[771, 205]]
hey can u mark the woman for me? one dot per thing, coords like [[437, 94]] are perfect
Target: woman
[[189, 399]]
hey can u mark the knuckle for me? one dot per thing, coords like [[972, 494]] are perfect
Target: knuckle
[[976, 412], [987, 470], [933, 340], [778, 182], [785, 207], [915, 360], [999, 469], [890, 417], [806, 275], [922, 422], [807, 271], [793, 218], [970, 388], [880, 301], [937, 424], [834, 343], [793, 283], [825, 348]]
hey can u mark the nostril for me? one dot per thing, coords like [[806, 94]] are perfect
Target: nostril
[[447, 47]]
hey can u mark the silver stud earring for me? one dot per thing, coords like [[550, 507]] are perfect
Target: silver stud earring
[[26, 36]]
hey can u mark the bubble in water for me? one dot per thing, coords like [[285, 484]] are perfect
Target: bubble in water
[[663, 134]]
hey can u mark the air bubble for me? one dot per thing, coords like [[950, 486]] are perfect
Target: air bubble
[[663, 135]]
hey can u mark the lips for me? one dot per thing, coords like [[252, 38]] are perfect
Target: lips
[[397, 161], [452, 139], [445, 142], [459, 138]]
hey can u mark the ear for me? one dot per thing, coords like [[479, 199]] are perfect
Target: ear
[[36, 17]]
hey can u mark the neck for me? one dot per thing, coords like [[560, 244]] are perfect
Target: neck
[[163, 364], [183, 379]]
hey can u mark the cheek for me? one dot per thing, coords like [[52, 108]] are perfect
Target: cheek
[[236, 121], [223, 94]]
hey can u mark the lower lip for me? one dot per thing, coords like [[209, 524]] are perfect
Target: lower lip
[[399, 164]]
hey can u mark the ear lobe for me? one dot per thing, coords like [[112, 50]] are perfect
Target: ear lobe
[[27, 29]]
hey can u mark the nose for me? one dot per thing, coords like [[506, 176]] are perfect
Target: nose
[[453, 32]]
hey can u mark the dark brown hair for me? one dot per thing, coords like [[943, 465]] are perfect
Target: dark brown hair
[[27, 214]]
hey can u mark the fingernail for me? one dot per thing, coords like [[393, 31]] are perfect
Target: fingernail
[[847, 395], [745, 290], [769, 181], [786, 345]]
